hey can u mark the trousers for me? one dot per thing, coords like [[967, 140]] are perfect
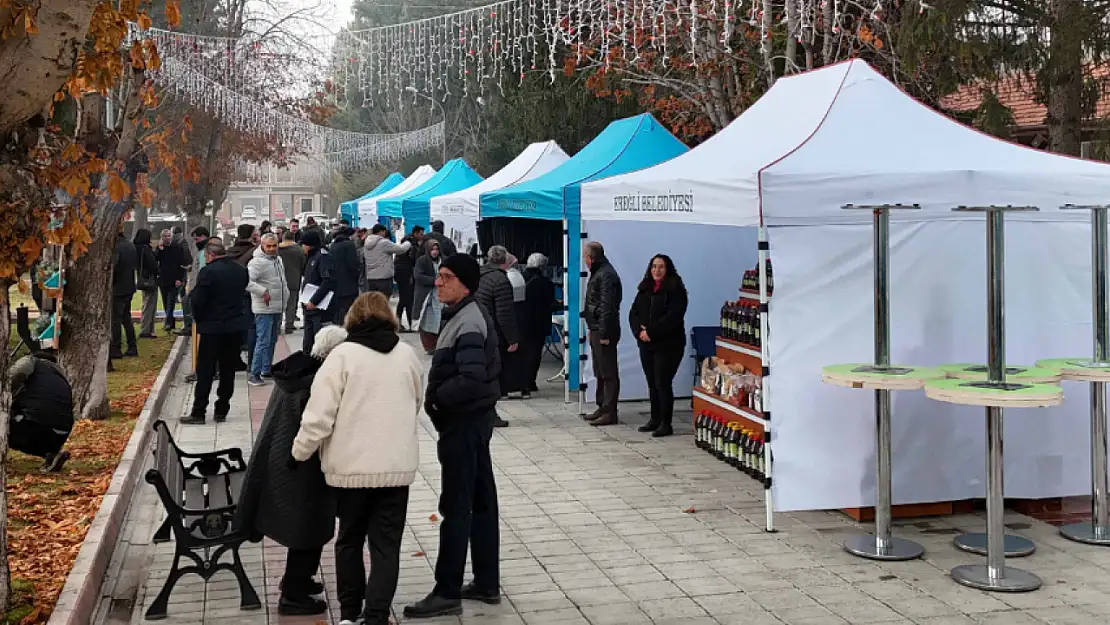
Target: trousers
[[121, 322], [300, 566], [468, 505], [169, 302], [34, 439], [150, 312], [340, 306], [660, 365], [607, 374], [375, 517], [291, 309], [266, 329], [531, 355], [216, 352], [381, 285], [313, 321], [405, 289]]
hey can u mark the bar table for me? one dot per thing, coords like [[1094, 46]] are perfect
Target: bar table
[[995, 393], [882, 378]]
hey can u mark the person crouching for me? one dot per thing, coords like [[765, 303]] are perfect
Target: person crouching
[[296, 509], [42, 409]]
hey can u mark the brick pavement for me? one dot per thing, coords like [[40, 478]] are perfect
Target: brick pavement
[[593, 531]]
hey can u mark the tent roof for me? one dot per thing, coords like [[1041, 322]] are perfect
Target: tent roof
[[845, 135], [536, 159], [625, 145], [454, 175], [415, 179], [391, 181]]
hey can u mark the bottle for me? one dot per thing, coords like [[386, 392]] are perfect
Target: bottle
[[757, 338], [734, 444], [724, 320], [697, 429], [770, 278], [758, 455]]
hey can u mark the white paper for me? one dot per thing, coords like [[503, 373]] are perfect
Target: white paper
[[308, 290]]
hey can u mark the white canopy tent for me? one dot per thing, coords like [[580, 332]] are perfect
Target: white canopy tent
[[841, 135], [459, 211], [368, 208]]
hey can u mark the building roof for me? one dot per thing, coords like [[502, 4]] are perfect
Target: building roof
[[1016, 92]]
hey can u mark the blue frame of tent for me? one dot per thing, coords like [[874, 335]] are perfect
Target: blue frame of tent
[[349, 210], [625, 145], [415, 205]]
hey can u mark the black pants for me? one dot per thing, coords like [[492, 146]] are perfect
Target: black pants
[[511, 378], [405, 289], [121, 321], [216, 352], [660, 366], [249, 335], [169, 302], [300, 566], [382, 285], [34, 439], [531, 355], [468, 505], [313, 321], [340, 306], [607, 374], [375, 516]]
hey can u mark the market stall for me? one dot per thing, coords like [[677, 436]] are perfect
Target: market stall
[[368, 212], [625, 145], [845, 135], [459, 211], [349, 210], [414, 205]]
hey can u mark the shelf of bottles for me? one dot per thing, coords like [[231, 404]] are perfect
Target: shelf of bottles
[[733, 443]]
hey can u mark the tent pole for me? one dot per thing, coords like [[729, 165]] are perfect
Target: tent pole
[[566, 311], [765, 403], [583, 280]]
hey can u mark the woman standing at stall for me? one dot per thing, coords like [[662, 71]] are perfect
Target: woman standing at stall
[[657, 320], [147, 282], [425, 300]]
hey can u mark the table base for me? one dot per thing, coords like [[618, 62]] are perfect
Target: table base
[[866, 546], [1014, 546], [977, 576], [1086, 532]]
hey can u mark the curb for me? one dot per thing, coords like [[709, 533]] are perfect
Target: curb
[[78, 600]]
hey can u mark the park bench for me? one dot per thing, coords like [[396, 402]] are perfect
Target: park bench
[[199, 492]]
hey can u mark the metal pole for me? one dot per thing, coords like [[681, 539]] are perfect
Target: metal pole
[[996, 322], [996, 531], [881, 246]]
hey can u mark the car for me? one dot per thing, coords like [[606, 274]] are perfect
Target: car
[[321, 219], [249, 216]]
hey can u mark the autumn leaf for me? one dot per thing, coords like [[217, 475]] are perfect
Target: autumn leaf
[[117, 188], [144, 21], [434, 518], [418, 554], [690, 510], [29, 24], [173, 13]]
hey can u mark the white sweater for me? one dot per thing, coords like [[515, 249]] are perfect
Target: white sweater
[[362, 416]]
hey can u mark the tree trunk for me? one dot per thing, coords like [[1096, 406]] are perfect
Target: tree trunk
[[5, 411], [33, 68], [140, 213], [1063, 77]]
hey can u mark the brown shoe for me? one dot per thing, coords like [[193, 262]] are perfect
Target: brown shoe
[[609, 419], [593, 415]]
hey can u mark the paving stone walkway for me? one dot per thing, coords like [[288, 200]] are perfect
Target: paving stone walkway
[[594, 530]]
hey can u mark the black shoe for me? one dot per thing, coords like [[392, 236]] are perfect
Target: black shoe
[[184, 332], [470, 593], [54, 462], [526, 394], [314, 587], [301, 606], [432, 606], [144, 335], [192, 377], [650, 426], [131, 353], [663, 430], [220, 418], [500, 423], [115, 355], [593, 415], [193, 419]]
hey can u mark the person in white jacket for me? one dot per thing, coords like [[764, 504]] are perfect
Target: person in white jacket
[[269, 293], [377, 260], [362, 417]]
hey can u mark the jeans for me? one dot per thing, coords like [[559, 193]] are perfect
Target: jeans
[[374, 517], [266, 328], [169, 302], [300, 566], [216, 352], [660, 364], [121, 321], [468, 505], [607, 374]]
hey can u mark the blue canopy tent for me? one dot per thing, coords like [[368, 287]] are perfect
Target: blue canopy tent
[[415, 205], [625, 145], [349, 210]]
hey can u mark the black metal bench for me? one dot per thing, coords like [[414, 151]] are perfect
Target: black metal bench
[[199, 493]]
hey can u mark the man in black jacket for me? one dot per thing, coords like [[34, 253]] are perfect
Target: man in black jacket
[[404, 266], [602, 314], [346, 264], [242, 251], [220, 320], [495, 295], [446, 245], [123, 288], [319, 272], [41, 415], [172, 261], [461, 397]]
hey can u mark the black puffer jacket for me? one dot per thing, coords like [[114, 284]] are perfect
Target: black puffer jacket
[[294, 508], [603, 301], [495, 295], [123, 270], [345, 264], [217, 298], [662, 313], [463, 379]]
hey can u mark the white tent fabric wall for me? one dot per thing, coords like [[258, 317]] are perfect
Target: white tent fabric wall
[[368, 208], [701, 254], [822, 313]]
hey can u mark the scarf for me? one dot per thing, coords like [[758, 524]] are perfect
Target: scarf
[[658, 285], [377, 334]]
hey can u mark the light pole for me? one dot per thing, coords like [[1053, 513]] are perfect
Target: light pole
[[442, 112]]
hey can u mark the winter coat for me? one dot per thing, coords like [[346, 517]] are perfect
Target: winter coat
[[377, 256], [267, 275], [171, 265], [404, 264], [242, 251], [319, 272], [603, 301], [424, 278], [123, 270], [446, 245], [662, 313], [295, 508], [495, 295], [362, 417], [292, 259], [148, 263], [539, 304], [346, 265], [463, 378], [217, 298], [41, 392], [199, 262]]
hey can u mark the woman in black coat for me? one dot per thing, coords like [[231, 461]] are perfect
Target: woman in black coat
[[291, 505], [657, 320], [535, 319], [147, 282]]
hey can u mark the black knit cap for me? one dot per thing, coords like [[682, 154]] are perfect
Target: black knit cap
[[312, 239], [465, 268]]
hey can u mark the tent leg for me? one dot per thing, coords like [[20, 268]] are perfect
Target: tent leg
[[764, 358], [566, 312]]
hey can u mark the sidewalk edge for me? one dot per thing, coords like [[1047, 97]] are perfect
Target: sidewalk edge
[[81, 593]]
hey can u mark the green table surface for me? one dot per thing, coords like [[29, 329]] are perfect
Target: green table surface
[[1059, 364], [917, 373], [1027, 371], [958, 385]]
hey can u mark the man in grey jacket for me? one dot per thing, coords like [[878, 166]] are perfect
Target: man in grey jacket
[[377, 260], [269, 294]]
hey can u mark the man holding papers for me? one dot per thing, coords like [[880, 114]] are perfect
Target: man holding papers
[[317, 287]]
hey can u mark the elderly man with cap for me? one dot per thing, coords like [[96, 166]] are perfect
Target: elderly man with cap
[[460, 399]]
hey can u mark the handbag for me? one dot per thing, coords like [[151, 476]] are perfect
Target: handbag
[[144, 282]]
